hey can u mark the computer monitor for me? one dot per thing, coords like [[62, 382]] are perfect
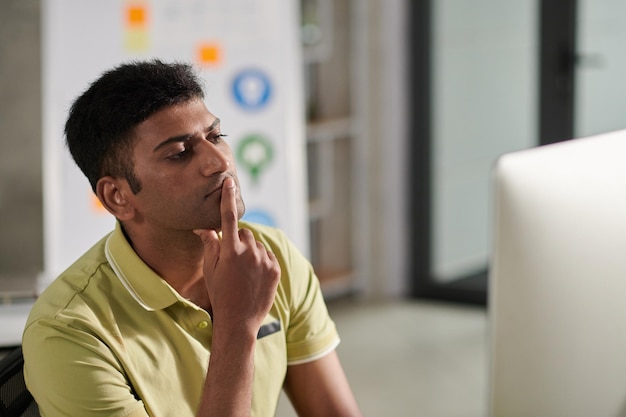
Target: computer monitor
[[557, 295]]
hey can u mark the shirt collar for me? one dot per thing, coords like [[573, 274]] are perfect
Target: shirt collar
[[144, 285]]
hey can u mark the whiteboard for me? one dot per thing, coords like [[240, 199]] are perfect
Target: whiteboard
[[249, 57]]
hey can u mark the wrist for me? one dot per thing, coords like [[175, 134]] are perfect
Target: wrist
[[234, 333]]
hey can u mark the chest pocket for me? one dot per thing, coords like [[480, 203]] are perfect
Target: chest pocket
[[269, 328]]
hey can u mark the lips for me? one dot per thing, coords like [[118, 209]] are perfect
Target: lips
[[214, 191], [218, 188]]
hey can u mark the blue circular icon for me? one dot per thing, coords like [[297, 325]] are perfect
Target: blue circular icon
[[260, 217], [252, 89]]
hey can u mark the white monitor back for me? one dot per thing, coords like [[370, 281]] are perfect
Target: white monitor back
[[557, 302]]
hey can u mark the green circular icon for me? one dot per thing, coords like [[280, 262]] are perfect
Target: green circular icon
[[254, 153]]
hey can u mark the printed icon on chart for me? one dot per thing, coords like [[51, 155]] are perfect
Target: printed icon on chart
[[260, 217], [252, 89], [254, 154]]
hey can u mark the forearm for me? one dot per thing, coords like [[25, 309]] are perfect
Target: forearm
[[320, 388], [241, 278], [228, 386]]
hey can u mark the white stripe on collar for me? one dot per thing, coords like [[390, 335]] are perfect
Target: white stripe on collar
[[120, 275]]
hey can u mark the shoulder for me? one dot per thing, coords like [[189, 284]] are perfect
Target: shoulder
[[274, 238], [72, 287]]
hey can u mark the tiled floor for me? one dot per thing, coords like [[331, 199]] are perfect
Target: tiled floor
[[407, 359]]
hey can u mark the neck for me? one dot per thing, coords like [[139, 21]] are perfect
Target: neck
[[177, 258]]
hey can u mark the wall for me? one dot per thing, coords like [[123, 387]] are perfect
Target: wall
[[375, 54], [21, 248]]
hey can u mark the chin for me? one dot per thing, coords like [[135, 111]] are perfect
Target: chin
[[214, 221]]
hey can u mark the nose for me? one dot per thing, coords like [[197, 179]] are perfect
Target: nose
[[213, 159]]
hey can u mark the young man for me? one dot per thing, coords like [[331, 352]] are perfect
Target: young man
[[181, 310]]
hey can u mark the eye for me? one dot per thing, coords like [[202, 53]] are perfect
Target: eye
[[216, 138], [180, 155]]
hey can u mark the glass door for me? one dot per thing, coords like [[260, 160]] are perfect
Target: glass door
[[475, 96], [600, 92], [490, 77]]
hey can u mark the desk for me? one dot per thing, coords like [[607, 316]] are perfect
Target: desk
[[12, 320]]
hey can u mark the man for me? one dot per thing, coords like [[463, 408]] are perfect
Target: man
[[181, 310]]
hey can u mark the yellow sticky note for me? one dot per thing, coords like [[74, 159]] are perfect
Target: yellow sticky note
[[137, 40]]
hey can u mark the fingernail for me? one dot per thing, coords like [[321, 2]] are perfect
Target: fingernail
[[229, 182]]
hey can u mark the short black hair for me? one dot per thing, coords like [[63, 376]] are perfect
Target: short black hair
[[99, 128]]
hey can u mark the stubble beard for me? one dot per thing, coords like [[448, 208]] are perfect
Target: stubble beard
[[215, 222]]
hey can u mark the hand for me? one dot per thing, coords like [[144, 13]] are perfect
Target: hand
[[241, 275]]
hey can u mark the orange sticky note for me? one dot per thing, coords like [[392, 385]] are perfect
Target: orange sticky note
[[96, 205], [136, 16], [209, 54]]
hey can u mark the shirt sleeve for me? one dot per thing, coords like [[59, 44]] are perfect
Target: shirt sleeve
[[72, 373], [311, 333]]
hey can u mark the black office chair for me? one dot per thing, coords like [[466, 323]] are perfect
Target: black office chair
[[15, 400]]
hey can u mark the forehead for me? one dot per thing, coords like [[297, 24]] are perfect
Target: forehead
[[187, 118]]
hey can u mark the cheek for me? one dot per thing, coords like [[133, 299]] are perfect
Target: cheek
[[163, 192]]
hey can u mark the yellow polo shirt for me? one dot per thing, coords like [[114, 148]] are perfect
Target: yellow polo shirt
[[109, 337]]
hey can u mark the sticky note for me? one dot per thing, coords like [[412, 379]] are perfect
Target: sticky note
[[136, 16], [137, 40], [209, 53], [96, 205]]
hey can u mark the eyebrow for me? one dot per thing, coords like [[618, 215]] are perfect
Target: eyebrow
[[185, 137]]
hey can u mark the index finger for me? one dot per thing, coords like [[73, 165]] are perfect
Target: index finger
[[228, 211]]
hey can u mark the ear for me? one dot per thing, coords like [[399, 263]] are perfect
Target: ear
[[114, 195]]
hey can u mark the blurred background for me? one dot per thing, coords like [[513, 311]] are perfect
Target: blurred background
[[408, 105]]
